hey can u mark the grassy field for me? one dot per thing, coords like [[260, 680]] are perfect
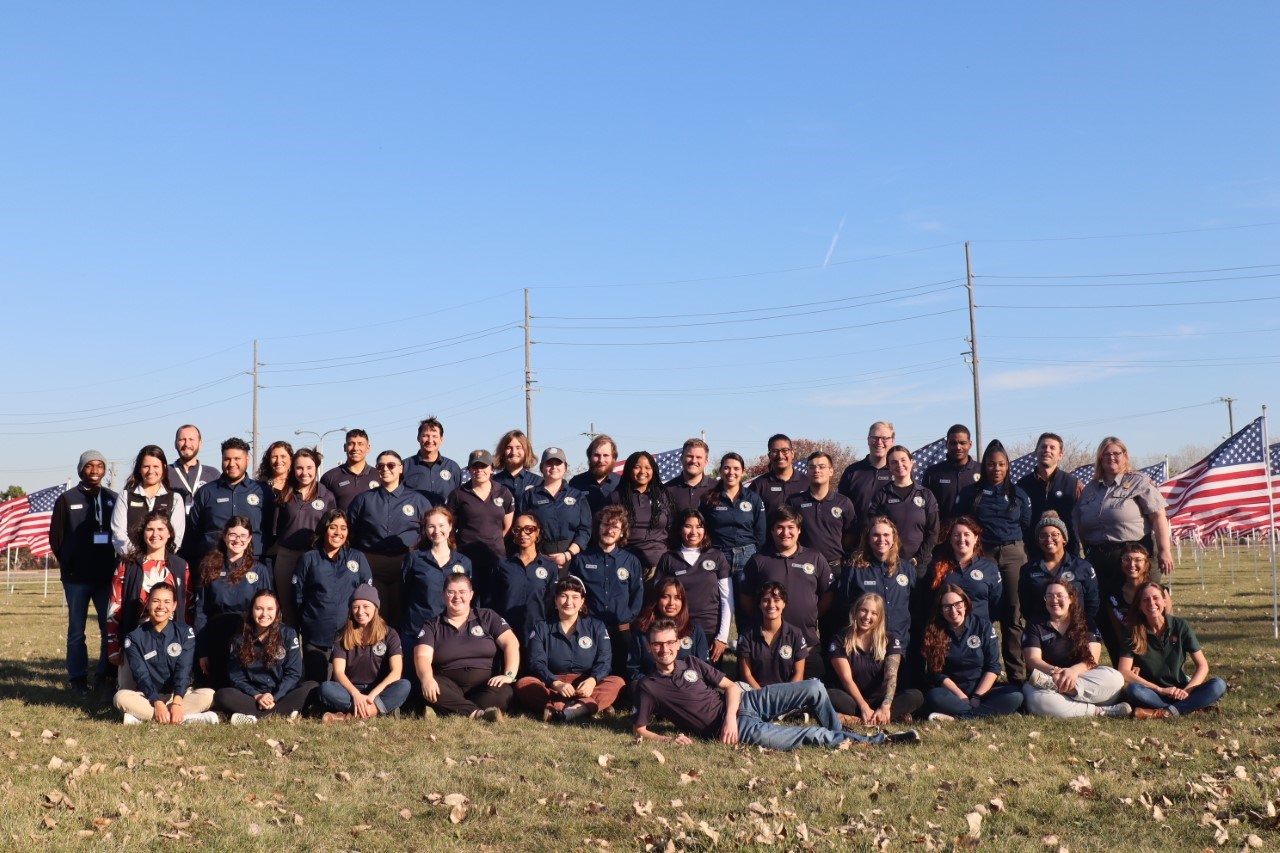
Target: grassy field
[[73, 776]]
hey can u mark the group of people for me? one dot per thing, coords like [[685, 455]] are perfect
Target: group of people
[[864, 600]]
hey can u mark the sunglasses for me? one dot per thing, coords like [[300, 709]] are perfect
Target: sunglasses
[[527, 531]]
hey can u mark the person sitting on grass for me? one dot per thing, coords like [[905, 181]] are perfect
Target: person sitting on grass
[[265, 667], [1153, 664], [160, 653], [962, 657], [367, 664], [771, 650], [1061, 653], [701, 702], [866, 663]]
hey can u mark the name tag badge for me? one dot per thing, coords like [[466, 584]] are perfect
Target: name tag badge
[[101, 538], [149, 655], [224, 500]]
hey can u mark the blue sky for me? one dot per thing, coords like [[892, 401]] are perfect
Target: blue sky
[[367, 191]]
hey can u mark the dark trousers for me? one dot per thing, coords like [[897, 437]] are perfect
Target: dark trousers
[[1010, 557], [904, 704], [232, 700], [315, 663], [620, 638], [465, 691], [218, 634]]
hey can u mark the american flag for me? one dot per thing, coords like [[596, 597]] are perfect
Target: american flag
[[1227, 487], [931, 454], [24, 521], [1022, 466], [669, 464], [1085, 473]]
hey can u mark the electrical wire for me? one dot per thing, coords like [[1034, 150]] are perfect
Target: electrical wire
[[117, 408], [1128, 337], [1135, 274], [402, 352], [147, 419], [1137, 305], [1127, 236], [1115, 284], [434, 312], [807, 359], [397, 373]]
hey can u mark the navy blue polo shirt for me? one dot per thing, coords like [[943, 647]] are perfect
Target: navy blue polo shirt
[[614, 582], [895, 590], [775, 491], [346, 485], [322, 590], [388, 522], [1058, 493], [524, 594], [433, 480], [213, 506], [296, 521], [860, 481], [1034, 577], [806, 575], [826, 524], [422, 586], [701, 582], [772, 663], [866, 671], [474, 645], [649, 530], [519, 483], [585, 650], [1002, 520], [564, 516], [686, 497], [222, 597], [974, 650], [914, 511], [946, 479], [1055, 649], [161, 661], [597, 493], [735, 523], [277, 676], [980, 581]]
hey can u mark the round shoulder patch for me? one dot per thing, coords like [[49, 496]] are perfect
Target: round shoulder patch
[[809, 568], [903, 580], [477, 631], [836, 512], [128, 644], [709, 565], [1068, 576], [570, 501], [974, 642], [253, 500], [446, 476], [280, 655], [457, 569], [623, 574], [745, 506], [976, 476], [374, 484], [407, 510], [380, 649], [499, 501], [353, 566], [918, 500], [690, 676], [540, 573], [251, 577], [786, 652], [317, 504], [976, 574], [585, 642], [1058, 493]]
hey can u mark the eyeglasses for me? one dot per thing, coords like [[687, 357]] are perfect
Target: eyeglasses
[[781, 451], [879, 439], [955, 605], [387, 466], [526, 531], [1057, 597], [1113, 454], [663, 645], [238, 537]]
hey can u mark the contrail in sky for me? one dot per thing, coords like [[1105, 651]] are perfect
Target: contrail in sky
[[834, 240]]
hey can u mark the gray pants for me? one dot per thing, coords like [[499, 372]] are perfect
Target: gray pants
[[1099, 686]]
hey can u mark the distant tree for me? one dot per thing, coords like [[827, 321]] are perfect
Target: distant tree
[[1185, 457], [842, 455], [12, 492], [1075, 452]]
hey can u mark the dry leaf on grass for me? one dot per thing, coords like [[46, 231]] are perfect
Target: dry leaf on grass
[[974, 819], [643, 810], [603, 760], [662, 759]]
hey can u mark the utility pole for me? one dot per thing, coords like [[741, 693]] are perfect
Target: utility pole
[[254, 443], [1231, 418], [528, 372], [591, 433], [973, 351]]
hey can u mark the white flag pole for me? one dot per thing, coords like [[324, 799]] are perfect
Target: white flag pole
[[1271, 517]]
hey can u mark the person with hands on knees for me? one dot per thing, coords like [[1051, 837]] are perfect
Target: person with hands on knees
[[265, 667], [701, 702], [570, 659], [962, 657], [368, 665], [1154, 663], [866, 661], [160, 654], [1062, 652]]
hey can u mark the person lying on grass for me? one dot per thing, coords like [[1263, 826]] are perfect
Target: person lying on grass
[[701, 702]]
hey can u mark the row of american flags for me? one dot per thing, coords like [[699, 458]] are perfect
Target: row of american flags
[[1229, 492]]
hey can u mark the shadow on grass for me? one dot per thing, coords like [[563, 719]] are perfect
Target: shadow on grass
[[41, 681]]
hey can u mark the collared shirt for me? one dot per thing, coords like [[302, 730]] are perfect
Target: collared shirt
[[775, 491], [1058, 493], [564, 517], [649, 530], [735, 523], [1166, 655], [693, 643], [597, 493], [213, 506], [585, 650], [914, 511], [861, 480], [614, 582], [433, 480], [296, 521], [130, 589], [1034, 578], [322, 590], [772, 663], [689, 697], [974, 650], [472, 645], [222, 597], [478, 522], [1117, 512], [895, 590], [980, 580], [80, 534], [827, 523], [866, 671], [1055, 649], [133, 505], [161, 661], [368, 665], [806, 575], [276, 676], [703, 591], [388, 522], [346, 485], [422, 581], [517, 484], [946, 479], [187, 482], [1003, 518], [523, 593], [686, 497]]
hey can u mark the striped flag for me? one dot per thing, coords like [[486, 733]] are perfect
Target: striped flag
[[669, 464], [931, 454], [1085, 473], [24, 521], [1226, 489], [1158, 472]]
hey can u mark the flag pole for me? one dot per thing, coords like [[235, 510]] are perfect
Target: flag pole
[[1271, 518]]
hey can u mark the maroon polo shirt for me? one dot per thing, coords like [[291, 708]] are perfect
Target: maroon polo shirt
[[806, 575]]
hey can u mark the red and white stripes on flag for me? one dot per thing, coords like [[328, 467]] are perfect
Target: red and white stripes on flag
[[24, 521], [1227, 490]]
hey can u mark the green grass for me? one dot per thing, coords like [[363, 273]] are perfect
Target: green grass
[[1206, 781]]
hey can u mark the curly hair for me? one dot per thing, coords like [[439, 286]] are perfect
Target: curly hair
[[945, 560], [138, 545], [1078, 633], [266, 650], [607, 516], [215, 562], [937, 639]]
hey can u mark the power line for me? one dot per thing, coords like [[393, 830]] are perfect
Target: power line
[[1229, 361], [1111, 418], [1133, 274], [147, 419], [1130, 337], [116, 408], [1138, 305], [1128, 236], [434, 312], [397, 373], [808, 359], [1114, 284], [388, 355]]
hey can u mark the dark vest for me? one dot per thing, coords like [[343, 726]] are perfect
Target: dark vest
[[137, 507]]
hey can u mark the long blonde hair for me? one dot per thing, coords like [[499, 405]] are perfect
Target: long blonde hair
[[879, 634], [353, 636]]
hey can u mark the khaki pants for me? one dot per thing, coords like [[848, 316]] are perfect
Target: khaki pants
[[286, 560], [133, 702]]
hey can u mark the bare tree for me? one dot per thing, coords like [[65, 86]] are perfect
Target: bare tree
[[842, 455]]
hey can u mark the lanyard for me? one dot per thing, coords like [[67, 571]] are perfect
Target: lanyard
[[191, 488]]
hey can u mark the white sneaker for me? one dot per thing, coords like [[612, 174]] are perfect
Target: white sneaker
[[1120, 709], [939, 717], [294, 715], [131, 720], [243, 719], [1041, 679], [202, 718]]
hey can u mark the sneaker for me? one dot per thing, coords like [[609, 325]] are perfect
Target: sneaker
[[909, 736], [1120, 709], [243, 719], [1041, 679], [491, 715], [202, 718], [334, 717], [939, 717], [1150, 713], [79, 686], [131, 720], [294, 715], [548, 713]]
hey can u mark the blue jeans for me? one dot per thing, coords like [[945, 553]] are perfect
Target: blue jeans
[[78, 596], [1200, 696], [738, 558], [1001, 699], [336, 698], [758, 708]]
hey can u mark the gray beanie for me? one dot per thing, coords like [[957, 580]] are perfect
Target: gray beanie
[[366, 592], [90, 456], [1051, 519]]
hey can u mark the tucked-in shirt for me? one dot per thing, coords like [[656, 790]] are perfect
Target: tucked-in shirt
[[1117, 512], [867, 672], [422, 581], [1002, 518], [1166, 655], [689, 697], [614, 582], [161, 661], [826, 524], [322, 590], [974, 650], [585, 650], [806, 575], [369, 665], [388, 522], [433, 480], [474, 645], [772, 663], [347, 485]]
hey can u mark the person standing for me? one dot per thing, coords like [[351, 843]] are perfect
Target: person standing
[[687, 489], [186, 474], [863, 479], [144, 492], [427, 472], [80, 536], [515, 461], [482, 511], [776, 485], [354, 476], [599, 480], [234, 494], [946, 478], [1050, 488], [910, 506]]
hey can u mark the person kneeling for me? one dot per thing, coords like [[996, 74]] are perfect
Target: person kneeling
[[699, 700], [367, 664], [161, 654], [265, 667], [1063, 676]]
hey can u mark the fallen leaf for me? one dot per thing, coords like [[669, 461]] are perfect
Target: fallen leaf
[[603, 760], [1049, 840], [643, 810], [974, 820], [71, 743], [342, 776], [49, 823], [360, 827], [662, 759], [406, 814], [690, 777], [254, 829], [997, 804], [457, 813], [455, 800], [56, 763], [709, 832]]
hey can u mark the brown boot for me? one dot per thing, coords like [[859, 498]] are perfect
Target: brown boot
[[1150, 713], [335, 717], [850, 722]]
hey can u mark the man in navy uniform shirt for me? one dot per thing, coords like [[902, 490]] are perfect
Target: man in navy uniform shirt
[[946, 478], [355, 476], [234, 493], [782, 480], [1049, 487], [186, 474], [427, 472], [687, 489], [599, 480], [863, 479]]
